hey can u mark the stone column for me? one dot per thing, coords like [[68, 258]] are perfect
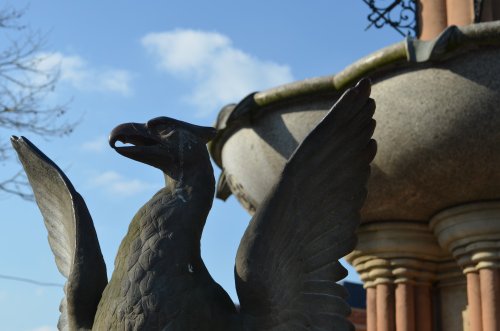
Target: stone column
[[371, 310], [474, 300], [405, 304], [378, 282], [397, 263], [431, 18], [435, 15], [460, 12], [385, 306], [413, 278], [423, 302], [472, 234]]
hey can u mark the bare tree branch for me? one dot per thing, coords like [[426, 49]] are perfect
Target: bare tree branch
[[24, 87]]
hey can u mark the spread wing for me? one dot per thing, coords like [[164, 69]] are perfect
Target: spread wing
[[71, 235], [287, 263]]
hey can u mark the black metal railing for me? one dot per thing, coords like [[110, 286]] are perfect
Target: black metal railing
[[401, 15]]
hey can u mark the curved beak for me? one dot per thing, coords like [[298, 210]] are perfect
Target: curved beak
[[139, 143], [131, 133]]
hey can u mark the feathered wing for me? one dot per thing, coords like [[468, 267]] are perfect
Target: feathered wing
[[287, 263], [71, 235]]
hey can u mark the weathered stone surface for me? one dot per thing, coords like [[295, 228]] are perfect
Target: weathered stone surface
[[438, 138], [437, 131]]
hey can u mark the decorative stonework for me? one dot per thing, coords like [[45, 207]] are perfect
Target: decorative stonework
[[398, 262], [396, 252], [471, 233], [420, 168]]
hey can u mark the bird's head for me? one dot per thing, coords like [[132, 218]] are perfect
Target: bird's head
[[165, 143]]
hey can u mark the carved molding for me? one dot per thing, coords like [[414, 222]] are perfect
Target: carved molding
[[397, 252], [471, 233]]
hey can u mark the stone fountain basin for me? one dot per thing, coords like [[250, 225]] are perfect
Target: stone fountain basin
[[438, 126]]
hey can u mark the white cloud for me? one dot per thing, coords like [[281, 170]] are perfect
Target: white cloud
[[114, 183], [45, 328], [220, 72], [75, 71], [97, 145]]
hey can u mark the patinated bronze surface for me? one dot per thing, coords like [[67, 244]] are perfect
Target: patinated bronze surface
[[287, 263]]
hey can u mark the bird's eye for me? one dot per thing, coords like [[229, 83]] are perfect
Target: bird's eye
[[163, 130], [158, 126]]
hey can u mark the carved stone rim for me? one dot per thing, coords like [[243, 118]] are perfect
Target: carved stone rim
[[406, 54]]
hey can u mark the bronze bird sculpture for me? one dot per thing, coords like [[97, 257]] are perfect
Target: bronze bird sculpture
[[287, 262]]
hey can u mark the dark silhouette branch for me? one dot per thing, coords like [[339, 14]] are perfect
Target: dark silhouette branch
[[30, 281], [24, 86]]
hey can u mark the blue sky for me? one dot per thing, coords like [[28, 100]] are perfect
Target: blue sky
[[131, 61]]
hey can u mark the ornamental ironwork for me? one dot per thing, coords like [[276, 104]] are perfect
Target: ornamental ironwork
[[401, 15]]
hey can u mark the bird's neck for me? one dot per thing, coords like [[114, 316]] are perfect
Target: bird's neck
[[193, 187], [197, 180]]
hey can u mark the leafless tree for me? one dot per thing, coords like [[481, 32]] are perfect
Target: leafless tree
[[24, 86]]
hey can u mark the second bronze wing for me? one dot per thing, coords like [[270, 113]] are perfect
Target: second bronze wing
[[287, 263]]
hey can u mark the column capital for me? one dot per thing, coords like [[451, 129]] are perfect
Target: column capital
[[396, 252], [471, 233]]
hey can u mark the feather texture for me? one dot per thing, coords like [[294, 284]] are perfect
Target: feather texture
[[287, 262], [71, 236]]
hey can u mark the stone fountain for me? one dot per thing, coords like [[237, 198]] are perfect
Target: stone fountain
[[438, 165]]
